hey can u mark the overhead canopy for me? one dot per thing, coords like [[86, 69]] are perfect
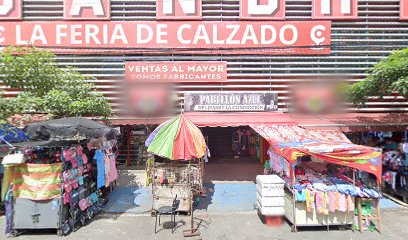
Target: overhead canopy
[[332, 146], [73, 128], [235, 119]]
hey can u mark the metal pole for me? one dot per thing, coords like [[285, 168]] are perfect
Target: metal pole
[[128, 162], [293, 198]]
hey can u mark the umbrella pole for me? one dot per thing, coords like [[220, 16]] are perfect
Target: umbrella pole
[[192, 232]]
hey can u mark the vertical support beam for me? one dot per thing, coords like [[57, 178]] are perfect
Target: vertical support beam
[[292, 180], [128, 162]]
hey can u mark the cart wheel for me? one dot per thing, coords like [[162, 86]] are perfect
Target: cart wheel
[[14, 233], [293, 229], [153, 213], [60, 232]]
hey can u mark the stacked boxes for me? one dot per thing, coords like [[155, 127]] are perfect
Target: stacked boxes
[[270, 195]]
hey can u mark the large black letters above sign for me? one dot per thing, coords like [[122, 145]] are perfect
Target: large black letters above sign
[[230, 101]]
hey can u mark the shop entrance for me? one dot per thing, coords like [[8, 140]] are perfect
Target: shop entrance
[[225, 164]]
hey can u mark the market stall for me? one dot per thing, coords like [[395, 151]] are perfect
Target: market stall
[[8, 136], [55, 180], [177, 172], [178, 169], [395, 175], [315, 166]]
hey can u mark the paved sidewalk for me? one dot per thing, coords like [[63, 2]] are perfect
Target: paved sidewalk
[[222, 226]]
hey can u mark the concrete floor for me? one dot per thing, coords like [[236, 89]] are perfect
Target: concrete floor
[[231, 169], [232, 226]]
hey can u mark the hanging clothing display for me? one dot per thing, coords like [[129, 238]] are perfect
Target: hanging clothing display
[[99, 157]]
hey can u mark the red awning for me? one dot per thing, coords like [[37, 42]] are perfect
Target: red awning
[[235, 119], [354, 122], [347, 122], [292, 142]]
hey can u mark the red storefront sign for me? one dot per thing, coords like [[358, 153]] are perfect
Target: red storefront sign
[[11, 9], [335, 9], [87, 10], [404, 9], [262, 9], [176, 71], [283, 37]]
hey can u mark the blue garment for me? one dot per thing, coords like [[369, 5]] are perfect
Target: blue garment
[[100, 166], [347, 189], [298, 187], [372, 193], [9, 210], [320, 186], [300, 195]]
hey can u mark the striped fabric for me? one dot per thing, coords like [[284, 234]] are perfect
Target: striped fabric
[[37, 181]]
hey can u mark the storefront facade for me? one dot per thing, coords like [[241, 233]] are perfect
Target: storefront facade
[[277, 45]]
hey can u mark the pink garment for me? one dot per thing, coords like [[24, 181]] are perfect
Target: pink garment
[[79, 150], [74, 162], [68, 154], [342, 203], [66, 197], [84, 158], [332, 201], [75, 183], [319, 200], [350, 203], [112, 174], [83, 204]]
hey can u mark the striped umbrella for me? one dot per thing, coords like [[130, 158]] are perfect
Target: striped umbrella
[[177, 139]]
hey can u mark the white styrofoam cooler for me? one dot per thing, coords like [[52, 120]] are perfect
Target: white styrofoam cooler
[[270, 201], [270, 186], [271, 211], [269, 179], [271, 191], [270, 195]]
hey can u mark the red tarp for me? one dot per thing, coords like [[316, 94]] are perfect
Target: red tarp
[[332, 146], [236, 119]]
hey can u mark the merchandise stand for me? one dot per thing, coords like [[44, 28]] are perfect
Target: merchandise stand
[[184, 179], [79, 199], [297, 215], [322, 199]]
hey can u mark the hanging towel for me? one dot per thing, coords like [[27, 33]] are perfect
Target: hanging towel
[[37, 181]]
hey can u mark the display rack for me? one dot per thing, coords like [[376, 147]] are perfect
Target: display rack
[[179, 178], [138, 151]]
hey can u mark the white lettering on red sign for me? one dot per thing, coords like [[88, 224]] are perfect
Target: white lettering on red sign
[[86, 9], [404, 9], [11, 10], [285, 37], [335, 9], [262, 9], [178, 9], [176, 71]]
